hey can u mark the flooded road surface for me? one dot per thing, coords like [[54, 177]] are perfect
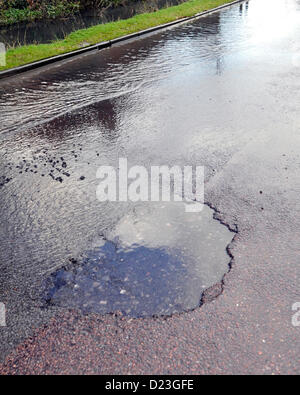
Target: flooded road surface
[[193, 95]]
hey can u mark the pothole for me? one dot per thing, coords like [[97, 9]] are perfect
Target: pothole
[[158, 260]]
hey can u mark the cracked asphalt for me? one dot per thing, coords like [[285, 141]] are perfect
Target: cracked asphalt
[[222, 92]]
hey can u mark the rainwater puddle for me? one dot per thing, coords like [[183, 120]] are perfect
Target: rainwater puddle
[[158, 260]]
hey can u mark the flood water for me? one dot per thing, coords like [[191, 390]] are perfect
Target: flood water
[[156, 261], [190, 95]]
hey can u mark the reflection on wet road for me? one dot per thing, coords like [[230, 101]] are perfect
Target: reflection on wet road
[[191, 95], [157, 260]]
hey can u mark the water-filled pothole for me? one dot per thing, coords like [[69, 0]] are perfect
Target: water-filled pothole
[[158, 260]]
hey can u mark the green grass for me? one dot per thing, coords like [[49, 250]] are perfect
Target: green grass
[[93, 35]]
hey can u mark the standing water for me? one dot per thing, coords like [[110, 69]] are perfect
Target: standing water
[[188, 96], [47, 30]]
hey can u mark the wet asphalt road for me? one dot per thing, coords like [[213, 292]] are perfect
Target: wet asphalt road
[[222, 92]]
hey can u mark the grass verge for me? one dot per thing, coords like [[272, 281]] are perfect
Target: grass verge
[[95, 34]]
